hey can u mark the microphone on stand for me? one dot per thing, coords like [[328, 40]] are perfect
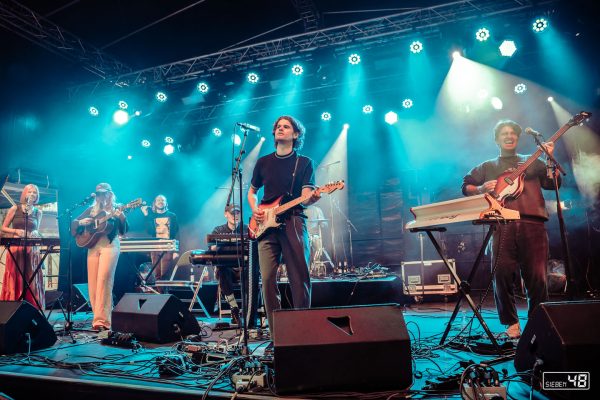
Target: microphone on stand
[[531, 132], [89, 198], [29, 199], [248, 127]]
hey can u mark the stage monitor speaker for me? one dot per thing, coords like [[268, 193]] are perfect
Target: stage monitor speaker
[[156, 318], [23, 328], [81, 297], [564, 336], [342, 349]]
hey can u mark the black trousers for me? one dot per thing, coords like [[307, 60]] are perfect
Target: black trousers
[[519, 250], [227, 276]]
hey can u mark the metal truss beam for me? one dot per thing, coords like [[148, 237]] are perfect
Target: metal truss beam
[[309, 14], [355, 34], [39, 30]]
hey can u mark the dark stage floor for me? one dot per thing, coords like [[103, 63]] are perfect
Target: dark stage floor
[[81, 367]]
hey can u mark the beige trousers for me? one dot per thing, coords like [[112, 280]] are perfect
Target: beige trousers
[[102, 264]]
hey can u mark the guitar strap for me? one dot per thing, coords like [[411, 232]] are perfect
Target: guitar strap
[[291, 191]]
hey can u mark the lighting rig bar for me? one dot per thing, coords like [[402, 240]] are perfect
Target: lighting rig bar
[[32, 26], [354, 34]]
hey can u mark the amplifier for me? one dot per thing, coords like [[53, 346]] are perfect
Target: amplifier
[[428, 277]]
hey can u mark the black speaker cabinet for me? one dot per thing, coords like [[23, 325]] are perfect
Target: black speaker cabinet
[[343, 348], [20, 323], [564, 336], [156, 318]]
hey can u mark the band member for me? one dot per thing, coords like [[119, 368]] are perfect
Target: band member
[[519, 247], [161, 223], [23, 220], [281, 172], [226, 275], [103, 256]]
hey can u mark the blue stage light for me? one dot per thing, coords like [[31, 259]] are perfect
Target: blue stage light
[[326, 116], [297, 69], [416, 47], [482, 34], [391, 118], [253, 77], [202, 87], [354, 59]]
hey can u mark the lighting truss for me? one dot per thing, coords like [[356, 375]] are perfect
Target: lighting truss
[[39, 30], [363, 33]]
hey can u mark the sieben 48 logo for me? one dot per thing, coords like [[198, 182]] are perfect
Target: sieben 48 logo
[[566, 381]]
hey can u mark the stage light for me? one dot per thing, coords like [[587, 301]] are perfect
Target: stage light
[[129, 157], [120, 117], [482, 34], [407, 103], [354, 59], [145, 143], [496, 103], [168, 149], [326, 116], [416, 47], [93, 111], [169, 139], [550, 99], [202, 87], [508, 48], [539, 25], [346, 126], [262, 139], [217, 132], [252, 77], [520, 88], [297, 69], [161, 97], [137, 113], [123, 105], [367, 109], [455, 54], [237, 140], [391, 118]]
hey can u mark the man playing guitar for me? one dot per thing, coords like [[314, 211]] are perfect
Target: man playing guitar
[[284, 172]]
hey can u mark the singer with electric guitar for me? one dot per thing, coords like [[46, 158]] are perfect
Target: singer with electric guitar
[[22, 221], [284, 172], [519, 247], [98, 229]]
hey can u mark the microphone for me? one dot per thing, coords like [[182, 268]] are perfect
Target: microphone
[[89, 198], [531, 132], [248, 127], [29, 199]]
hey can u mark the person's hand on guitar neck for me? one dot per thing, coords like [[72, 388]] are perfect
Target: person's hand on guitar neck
[[86, 221], [315, 195]]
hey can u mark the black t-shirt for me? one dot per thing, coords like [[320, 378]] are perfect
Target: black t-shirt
[[531, 202], [275, 174]]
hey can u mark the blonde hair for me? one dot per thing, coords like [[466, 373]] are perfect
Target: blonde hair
[[23, 198], [108, 206]]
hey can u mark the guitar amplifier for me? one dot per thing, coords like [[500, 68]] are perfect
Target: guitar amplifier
[[428, 277]]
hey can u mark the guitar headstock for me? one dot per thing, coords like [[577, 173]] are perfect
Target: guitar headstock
[[331, 187], [579, 118], [133, 204]]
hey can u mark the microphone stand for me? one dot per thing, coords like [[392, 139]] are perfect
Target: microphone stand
[[553, 166], [68, 326], [236, 174], [349, 224], [333, 246]]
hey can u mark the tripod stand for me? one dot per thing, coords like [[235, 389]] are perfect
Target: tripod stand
[[320, 258]]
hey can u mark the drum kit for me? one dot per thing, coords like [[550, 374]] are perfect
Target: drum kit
[[320, 262]]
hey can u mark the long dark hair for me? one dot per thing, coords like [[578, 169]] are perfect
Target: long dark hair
[[298, 128]]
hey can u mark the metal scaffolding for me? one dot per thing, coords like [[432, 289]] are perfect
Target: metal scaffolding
[[358, 34], [39, 30]]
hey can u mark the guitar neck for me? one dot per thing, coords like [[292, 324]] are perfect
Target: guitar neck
[[537, 153], [293, 203]]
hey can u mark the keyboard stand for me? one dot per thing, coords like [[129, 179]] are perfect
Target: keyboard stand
[[193, 286], [464, 287]]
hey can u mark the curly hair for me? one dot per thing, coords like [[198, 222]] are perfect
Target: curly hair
[[507, 122], [298, 128]]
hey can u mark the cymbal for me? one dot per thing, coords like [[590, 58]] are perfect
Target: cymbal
[[318, 220]]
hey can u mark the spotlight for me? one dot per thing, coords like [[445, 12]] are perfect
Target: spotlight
[[367, 109], [416, 47], [326, 116], [237, 140], [168, 149], [496, 103], [354, 59], [346, 126], [137, 113], [169, 139], [508, 48], [455, 54], [123, 105], [217, 132], [93, 111], [129, 157], [482, 34], [202, 87], [391, 118], [120, 117], [550, 99], [407, 103], [161, 97], [252, 77], [297, 69], [539, 25], [145, 143], [520, 88]]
